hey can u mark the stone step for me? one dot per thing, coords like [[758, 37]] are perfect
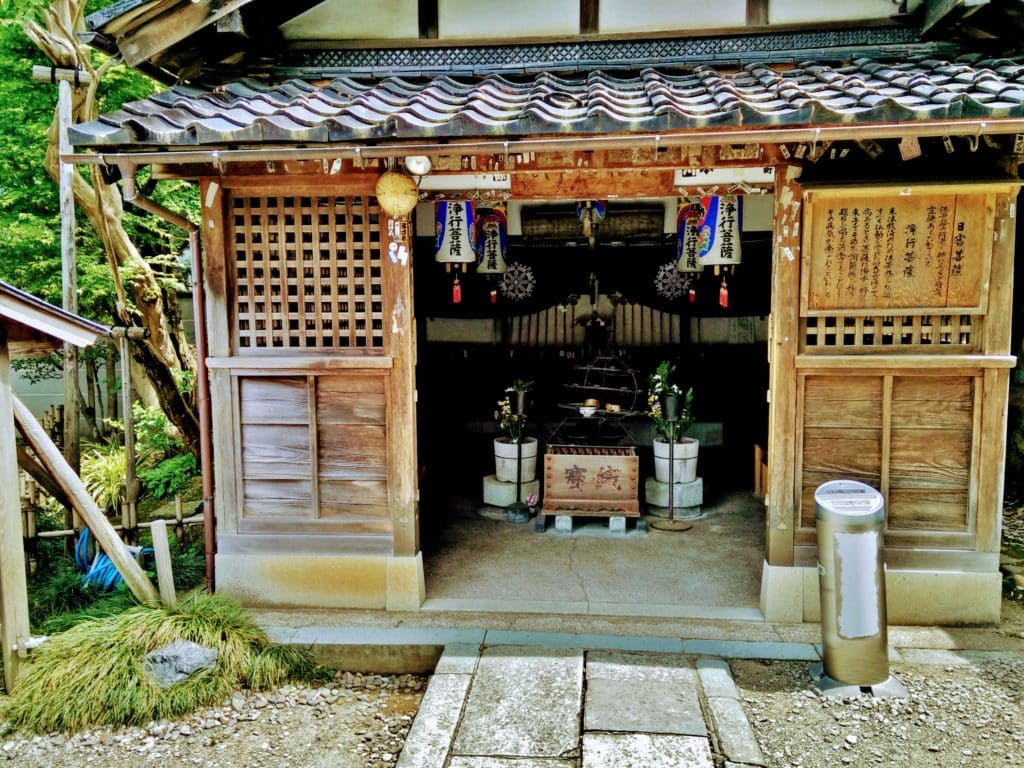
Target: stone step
[[525, 702]]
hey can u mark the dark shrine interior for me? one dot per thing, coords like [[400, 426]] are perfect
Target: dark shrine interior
[[459, 383]]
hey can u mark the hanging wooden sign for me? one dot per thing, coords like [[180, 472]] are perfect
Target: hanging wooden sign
[[866, 250]]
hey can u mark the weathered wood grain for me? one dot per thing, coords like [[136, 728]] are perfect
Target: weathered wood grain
[[14, 624], [278, 498], [355, 452], [338, 495], [784, 330], [273, 401], [275, 451], [926, 509]]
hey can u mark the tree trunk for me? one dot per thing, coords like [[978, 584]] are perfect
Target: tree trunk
[[166, 353]]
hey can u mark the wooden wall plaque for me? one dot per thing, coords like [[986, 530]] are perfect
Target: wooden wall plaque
[[896, 249]]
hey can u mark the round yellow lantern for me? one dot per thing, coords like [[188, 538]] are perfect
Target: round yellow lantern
[[397, 193]]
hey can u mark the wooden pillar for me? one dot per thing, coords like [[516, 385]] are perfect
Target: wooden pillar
[[14, 626], [996, 381], [782, 348], [69, 276], [227, 478], [400, 328]]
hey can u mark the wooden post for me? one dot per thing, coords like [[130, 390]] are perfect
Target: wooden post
[[65, 80], [69, 278], [129, 516], [401, 418], [996, 383], [164, 571], [71, 484], [783, 332], [14, 628]]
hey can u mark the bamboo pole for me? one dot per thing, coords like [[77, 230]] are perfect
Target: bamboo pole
[[83, 503], [14, 627], [129, 513], [164, 570]]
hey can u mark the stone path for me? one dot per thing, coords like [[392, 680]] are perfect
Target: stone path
[[534, 706]]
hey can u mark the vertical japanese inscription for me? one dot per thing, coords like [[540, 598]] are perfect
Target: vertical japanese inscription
[[886, 252]]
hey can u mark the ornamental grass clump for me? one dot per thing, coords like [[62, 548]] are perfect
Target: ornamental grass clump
[[95, 674]]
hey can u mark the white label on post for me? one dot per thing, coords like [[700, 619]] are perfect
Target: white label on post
[[857, 591]]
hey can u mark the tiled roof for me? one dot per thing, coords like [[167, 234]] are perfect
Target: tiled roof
[[650, 100]]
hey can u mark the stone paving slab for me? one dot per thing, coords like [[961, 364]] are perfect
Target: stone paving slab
[[735, 736], [386, 636], [742, 649], [430, 736], [645, 750], [643, 667], [716, 679], [458, 659], [643, 706], [501, 762], [584, 641], [645, 692], [525, 702]]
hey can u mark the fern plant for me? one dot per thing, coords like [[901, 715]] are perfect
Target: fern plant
[[103, 472]]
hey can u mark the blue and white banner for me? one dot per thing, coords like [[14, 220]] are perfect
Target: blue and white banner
[[455, 225]]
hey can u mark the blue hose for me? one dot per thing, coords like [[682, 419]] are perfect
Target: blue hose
[[102, 572]]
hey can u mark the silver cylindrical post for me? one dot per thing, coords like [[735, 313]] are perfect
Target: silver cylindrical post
[[850, 518]]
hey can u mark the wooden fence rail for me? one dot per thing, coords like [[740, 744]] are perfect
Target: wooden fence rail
[[32, 495]]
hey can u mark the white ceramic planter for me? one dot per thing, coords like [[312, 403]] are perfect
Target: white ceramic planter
[[684, 457], [505, 460]]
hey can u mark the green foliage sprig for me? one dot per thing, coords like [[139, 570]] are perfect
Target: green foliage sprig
[[511, 423], [660, 383]]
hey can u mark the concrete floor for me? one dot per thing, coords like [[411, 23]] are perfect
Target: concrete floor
[[476, 563]]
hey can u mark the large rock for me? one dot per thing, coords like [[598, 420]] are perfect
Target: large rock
[[179, 661]]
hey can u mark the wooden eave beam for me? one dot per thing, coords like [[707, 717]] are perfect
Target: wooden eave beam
[[168, 29], [946, 13]]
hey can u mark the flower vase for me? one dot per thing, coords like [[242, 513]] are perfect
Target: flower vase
[[684, 460], [505, 453], [670, 406]]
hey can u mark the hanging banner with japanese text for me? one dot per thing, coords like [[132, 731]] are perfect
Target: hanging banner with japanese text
[[492, 242], [709, 233], [455, 226]]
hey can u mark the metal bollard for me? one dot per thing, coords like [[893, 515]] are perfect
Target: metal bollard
[[849, 516]]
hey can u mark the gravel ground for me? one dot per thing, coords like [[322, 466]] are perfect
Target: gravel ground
[[956, 715], [358, 720]]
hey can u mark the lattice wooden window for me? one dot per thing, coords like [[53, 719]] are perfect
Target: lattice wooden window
[[833, 333], [307, 273]]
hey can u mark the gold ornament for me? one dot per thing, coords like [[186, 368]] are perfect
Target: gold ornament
[[397, 193]]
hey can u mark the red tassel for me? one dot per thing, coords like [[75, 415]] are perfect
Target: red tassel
[[723, 294], [456, 292], [494, 297], [693, 296]]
